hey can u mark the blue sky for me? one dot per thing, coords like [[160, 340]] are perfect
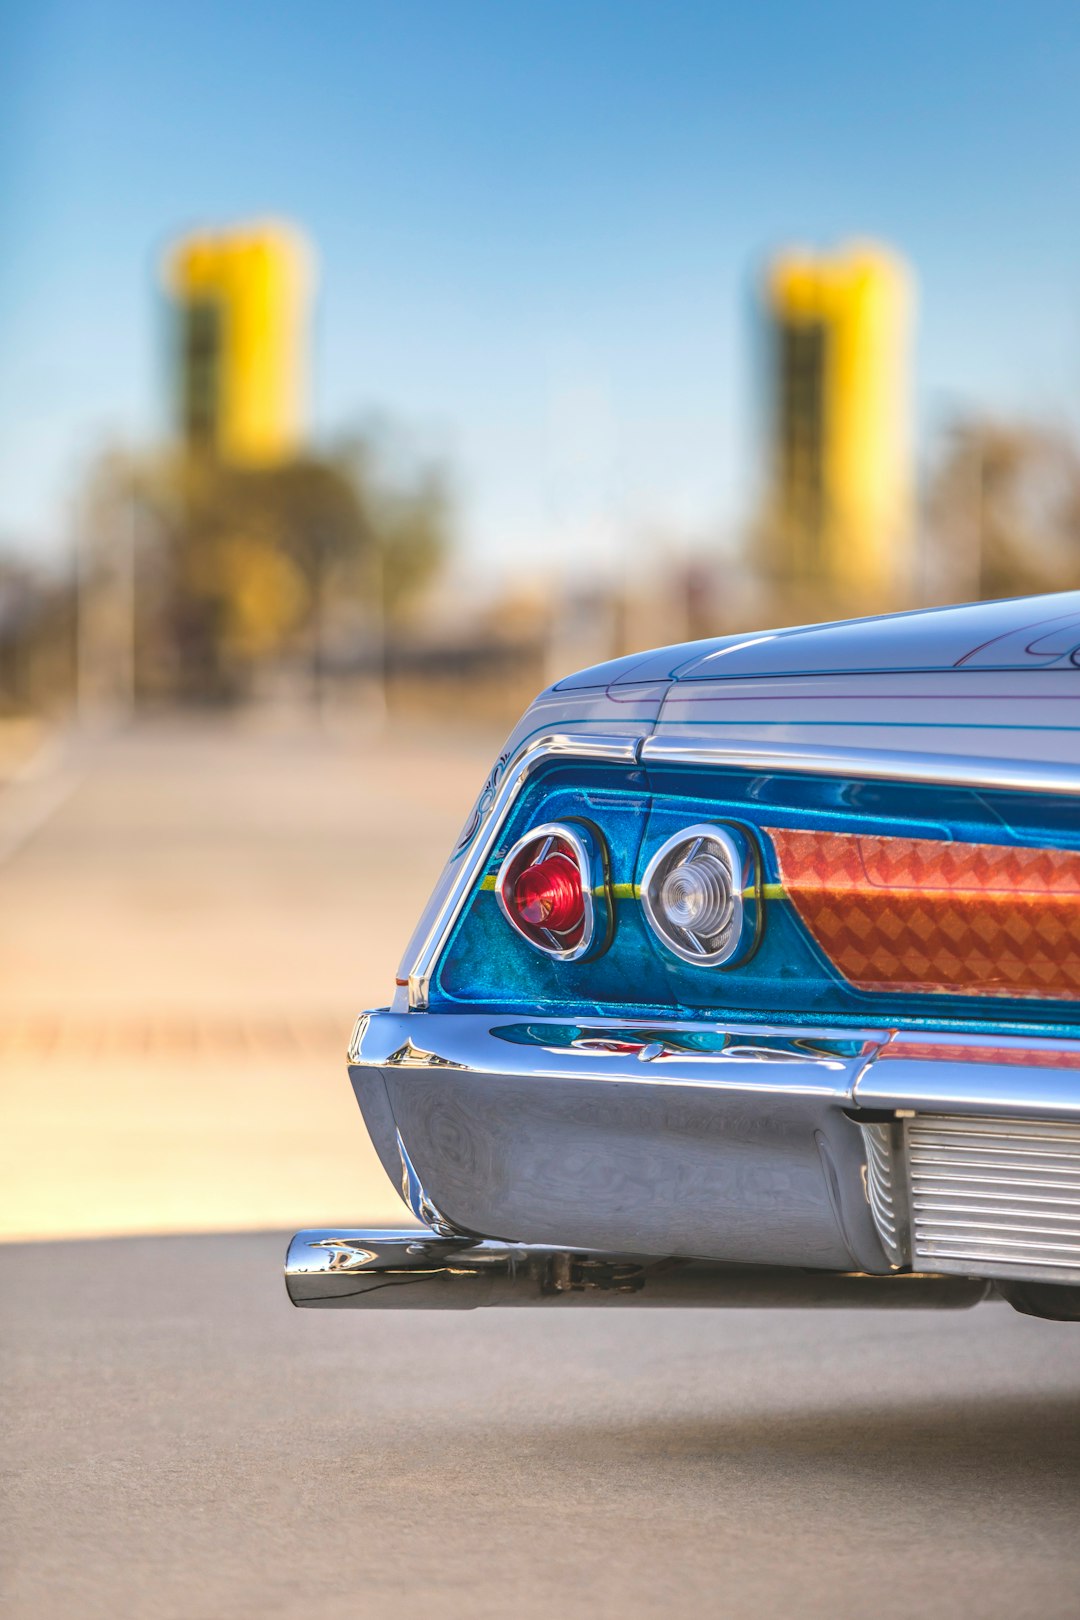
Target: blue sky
[[538, 227]]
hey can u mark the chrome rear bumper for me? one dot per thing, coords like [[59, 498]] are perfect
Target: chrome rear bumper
[[673, 1140], [760, 1146]]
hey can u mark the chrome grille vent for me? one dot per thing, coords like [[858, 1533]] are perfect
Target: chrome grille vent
[[882, 1193], [1000, 1198]]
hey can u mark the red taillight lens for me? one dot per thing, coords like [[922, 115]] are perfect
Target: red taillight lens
[[548, 895], [553, 889]]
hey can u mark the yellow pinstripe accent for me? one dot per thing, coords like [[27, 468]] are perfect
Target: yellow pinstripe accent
[[632, 891]]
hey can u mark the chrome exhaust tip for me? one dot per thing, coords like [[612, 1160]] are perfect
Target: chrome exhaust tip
[[415, 1269], [384, 1267]]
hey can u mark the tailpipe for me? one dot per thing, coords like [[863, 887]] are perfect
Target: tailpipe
[[413, 1269]]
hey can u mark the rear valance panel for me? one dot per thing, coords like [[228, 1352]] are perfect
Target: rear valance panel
[[893, 902]]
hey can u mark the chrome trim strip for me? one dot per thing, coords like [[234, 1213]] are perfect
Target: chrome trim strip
[[800, 1063], [884, 764], [798, 1059], [963, 1086], [518, 770]]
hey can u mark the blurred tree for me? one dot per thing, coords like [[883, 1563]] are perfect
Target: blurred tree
[[238, 567], [37, 640], [1003, 512], [405, 507]]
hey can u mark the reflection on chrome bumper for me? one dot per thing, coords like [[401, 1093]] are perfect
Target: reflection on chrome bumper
[[670, 1140], [411, 1270], [760, 1145]]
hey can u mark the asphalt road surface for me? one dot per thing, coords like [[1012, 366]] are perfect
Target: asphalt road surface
[[181, 1443], [190, 917]]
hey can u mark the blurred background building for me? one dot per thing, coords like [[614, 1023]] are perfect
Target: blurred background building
[[238, 559], [242, 324], [839, 521]]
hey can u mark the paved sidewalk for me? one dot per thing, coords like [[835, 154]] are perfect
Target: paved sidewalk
[[191, 920]]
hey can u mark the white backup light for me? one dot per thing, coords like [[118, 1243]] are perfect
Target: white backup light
[[696, 896], [701, 895]]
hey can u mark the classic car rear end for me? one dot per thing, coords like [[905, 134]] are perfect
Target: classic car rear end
[[754, 978]]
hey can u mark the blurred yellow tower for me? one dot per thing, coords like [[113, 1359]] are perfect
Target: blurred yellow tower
[[242, 297], [840, 474]]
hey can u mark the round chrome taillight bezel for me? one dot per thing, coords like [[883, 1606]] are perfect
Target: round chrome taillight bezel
[[585, 845], [731, 853]]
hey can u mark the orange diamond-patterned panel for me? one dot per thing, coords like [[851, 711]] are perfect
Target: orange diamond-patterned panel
[[918, 914], [1028, 1057]]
